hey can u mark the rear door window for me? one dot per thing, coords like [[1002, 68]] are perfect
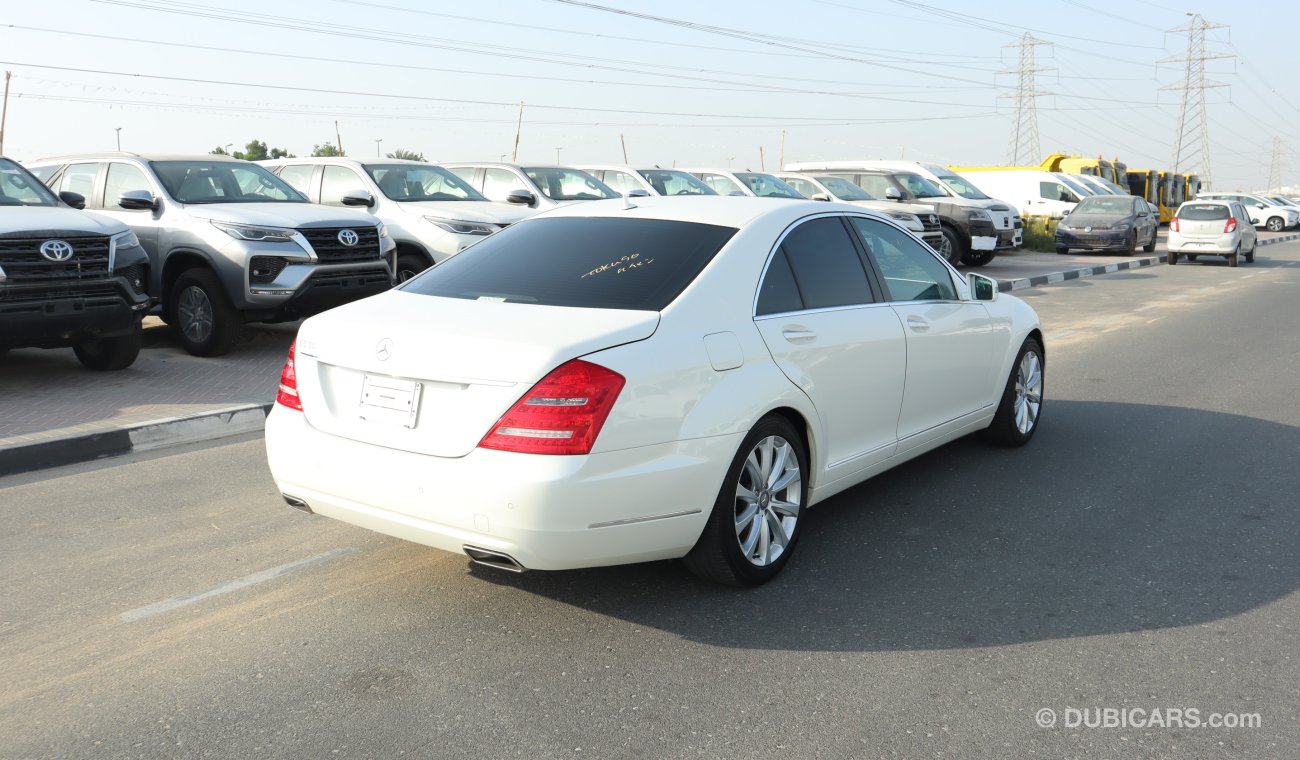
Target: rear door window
[[337, 181], [122, 178], [80, 179], [298, 176], [826, 264], [596, 263]]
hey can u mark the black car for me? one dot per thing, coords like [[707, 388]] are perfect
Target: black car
[[1108, 223], [67, 277]]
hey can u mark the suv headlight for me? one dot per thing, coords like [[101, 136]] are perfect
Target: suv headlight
[[980, 214], [256, 234], [124, 240], [904, 217], [461, 228]]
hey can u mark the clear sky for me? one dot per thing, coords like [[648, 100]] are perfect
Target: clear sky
[[843, 78]]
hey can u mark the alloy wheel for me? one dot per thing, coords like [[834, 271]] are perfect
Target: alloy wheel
[[195, 312], [769, 492], [1029, 392]]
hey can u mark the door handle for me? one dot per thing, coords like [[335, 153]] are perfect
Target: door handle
[[799, 336], [917, 324]]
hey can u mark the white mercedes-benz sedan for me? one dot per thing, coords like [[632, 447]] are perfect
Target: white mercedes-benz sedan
[[644, 379]]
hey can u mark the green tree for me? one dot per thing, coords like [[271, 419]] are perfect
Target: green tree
[[218, 151], [327, 149], [406, 155]]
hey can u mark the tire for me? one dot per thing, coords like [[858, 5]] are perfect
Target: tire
[[1132, 248], [410, 264], [1250, 255], [1062, 250], [201, 314], [1150, 247], [953, 247], [1232, 259], [978, 258], [719, 555], [110, 354], [1018, 413], [1275, 224], [1171, 258]]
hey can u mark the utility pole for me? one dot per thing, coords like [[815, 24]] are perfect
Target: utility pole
[[782, 166], [557, 154], [518, 128], [1275, 166], [623, 142], [338, 138], [4, 112], [118, 130], [1192, 134], [1023, 147], [762, 165], [377, 147]]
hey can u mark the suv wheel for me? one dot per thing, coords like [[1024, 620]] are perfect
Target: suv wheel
[[208, 325], [105, 354], [1275, 224], [953, 248], [409, 265]]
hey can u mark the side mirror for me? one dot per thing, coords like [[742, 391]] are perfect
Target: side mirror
[[75, 200], [357, 198], [1142, 214], [821, 197], [892, 193], [982, 288], [137, 200], [522, 197], [636, 193]]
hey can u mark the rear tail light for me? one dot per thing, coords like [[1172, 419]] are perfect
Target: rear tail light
[[288, 395], [561, 414], [1173, 224], [1230, 225]]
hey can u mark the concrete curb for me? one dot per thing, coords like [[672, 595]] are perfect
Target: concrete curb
[[172, 431], [1283, 239], [1052, 278]]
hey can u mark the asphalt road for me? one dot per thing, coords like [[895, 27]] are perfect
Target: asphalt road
[[1143, 552]]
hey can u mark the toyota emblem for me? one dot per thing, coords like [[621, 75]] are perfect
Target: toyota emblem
[[348, 237], [384, 349], [56, 250]]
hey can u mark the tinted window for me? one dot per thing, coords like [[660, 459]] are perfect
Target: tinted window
[[1203, 211], [499, 183], [408, 182], [876, 184], [778, 293], [598, 263], [122, 178], [826, 264], [673, 182], [18, 188], [222, 182], [721, 184], [767, 186], [560, 184], [911, 271], [79, 178], [335, 182], [298, 176]]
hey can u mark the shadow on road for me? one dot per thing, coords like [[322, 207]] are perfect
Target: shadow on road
[[1117, 518]]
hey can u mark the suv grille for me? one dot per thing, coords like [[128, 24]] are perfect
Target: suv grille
[[23, 264], [325, 242], [930, 222]]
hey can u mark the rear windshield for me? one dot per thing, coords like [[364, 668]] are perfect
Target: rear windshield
[[1203, 211], [586, 262]]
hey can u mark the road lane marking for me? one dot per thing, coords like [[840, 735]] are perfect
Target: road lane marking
[[176, 602]]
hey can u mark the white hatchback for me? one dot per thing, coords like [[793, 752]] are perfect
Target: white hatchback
[[1214, 228], [621, 381]]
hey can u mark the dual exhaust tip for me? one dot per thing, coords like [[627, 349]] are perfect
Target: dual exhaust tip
[[478, 556]]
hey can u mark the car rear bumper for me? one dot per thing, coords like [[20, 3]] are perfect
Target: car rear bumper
[[547, 512]]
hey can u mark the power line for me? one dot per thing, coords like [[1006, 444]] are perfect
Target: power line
[[1024, 131]]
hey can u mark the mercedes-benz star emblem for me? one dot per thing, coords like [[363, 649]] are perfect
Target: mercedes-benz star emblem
[[384, 349], [348, 237], [56, 250]]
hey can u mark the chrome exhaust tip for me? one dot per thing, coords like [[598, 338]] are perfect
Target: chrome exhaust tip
[[297, 503], [493, 559]]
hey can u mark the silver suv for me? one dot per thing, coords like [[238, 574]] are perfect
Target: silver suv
[[228, 241], [430, 213]]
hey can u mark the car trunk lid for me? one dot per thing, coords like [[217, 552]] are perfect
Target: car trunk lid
[[431, 375]]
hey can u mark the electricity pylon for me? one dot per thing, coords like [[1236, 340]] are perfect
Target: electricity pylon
[[1024, 133], [1192, 136]]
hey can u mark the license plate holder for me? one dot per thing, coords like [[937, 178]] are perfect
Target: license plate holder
[[390, 400]]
